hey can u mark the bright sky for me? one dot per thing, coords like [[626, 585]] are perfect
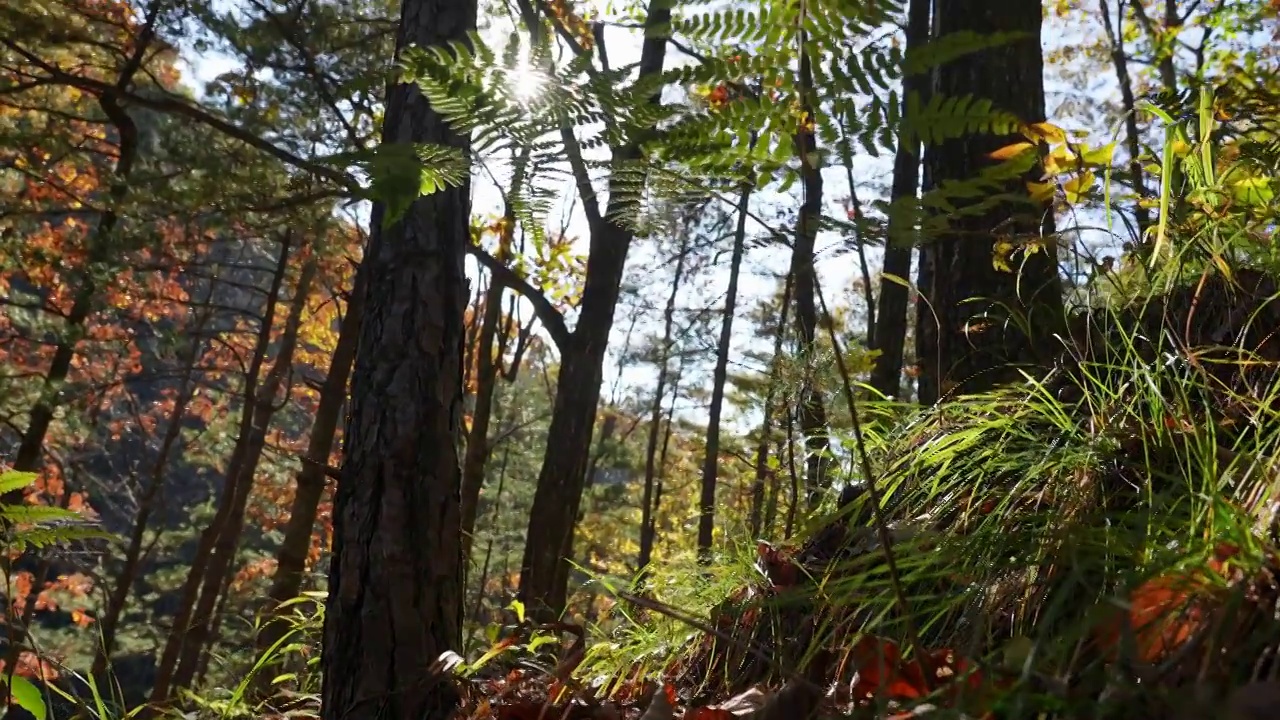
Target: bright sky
[[837, 271]]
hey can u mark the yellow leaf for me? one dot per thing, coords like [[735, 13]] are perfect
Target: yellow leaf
[[1253, 191], [1010, 151], [1077, 186], [1000, 254], [1040, 192], [1060, 160], [1101, 156], [1046, 131]]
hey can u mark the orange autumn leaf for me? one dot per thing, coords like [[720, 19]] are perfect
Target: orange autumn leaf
[[777, 565], [881, 672], [1166, 611], [1010, 151]]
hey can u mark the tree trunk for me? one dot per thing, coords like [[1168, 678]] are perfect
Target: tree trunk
[[652, 527], [291, 557], [968, 351], [813, 415], [711, 461], [29, 457], [217, 576], [1128, 106], [759, 510], [794, 504], [891, 324], [221, 540], [477, 453], [655, 418], [396, 578], [544, 571], [135, 552], [204, 557]]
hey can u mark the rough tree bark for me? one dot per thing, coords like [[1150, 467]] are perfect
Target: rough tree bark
[[395, 580], [970, 348]]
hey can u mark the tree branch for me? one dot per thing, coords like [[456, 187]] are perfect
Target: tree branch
[[173, 105], [547, 313]]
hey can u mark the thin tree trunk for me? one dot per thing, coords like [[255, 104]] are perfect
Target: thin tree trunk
[[662, 464], [118, 600], [766, 425], [544, 573], [1167, 70], [396, 591], [217, 576], [891, 326], [1133, 137], [813, 415], [771, 499], [291, 557], [477, 453], [655, 418], [868, 291], [484, 572], [711, 461], [794, 505], [171, 654], [31, 448], [488, 369], [215, 627]]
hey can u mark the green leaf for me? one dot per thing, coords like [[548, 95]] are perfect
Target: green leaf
[[14, 480], [1254, 191], [28, 697], [518, 608], [401, 173], [38, 514], [540, 640], [1099, 156]]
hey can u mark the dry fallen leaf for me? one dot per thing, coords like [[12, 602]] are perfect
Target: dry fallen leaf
[[744, 703]]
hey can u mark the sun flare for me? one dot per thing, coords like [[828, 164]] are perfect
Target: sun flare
[[526, 82]]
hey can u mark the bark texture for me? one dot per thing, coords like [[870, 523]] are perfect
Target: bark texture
[[395, 580], [971, 346]]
